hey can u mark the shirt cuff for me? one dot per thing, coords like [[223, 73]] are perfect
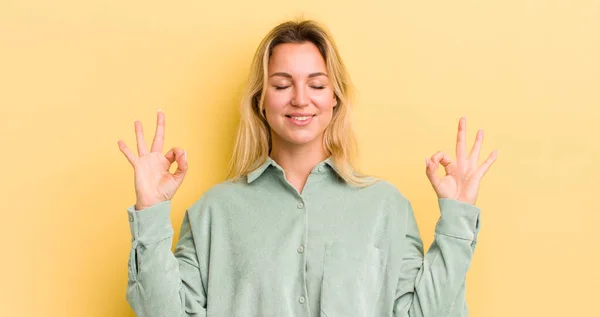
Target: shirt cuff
[[151, 224], [459, 219]]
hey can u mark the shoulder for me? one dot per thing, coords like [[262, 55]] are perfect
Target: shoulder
[[386, 191], [220, 195], [389, 199]]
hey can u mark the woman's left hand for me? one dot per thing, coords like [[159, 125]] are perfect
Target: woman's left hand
[[463, 176]]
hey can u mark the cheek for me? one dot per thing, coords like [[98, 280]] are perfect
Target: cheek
[[275, 101], [325, 102]]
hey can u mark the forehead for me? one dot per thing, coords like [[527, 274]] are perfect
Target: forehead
[[296, 58]]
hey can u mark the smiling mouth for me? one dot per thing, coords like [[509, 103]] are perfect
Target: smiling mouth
[[300, 118]]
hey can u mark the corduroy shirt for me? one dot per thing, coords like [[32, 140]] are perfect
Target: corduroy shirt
[[258, 247]]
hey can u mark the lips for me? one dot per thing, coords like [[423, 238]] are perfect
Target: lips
[[300, 119]]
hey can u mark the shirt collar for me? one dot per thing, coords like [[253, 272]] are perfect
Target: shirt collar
[[270, 162]]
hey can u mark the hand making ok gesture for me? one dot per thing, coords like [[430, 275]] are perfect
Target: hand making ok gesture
[[463, 175], [154, 183]]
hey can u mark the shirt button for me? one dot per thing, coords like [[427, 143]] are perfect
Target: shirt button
[[300, 205], [130, 218], [320, 169], [301, 249], [301, 300]]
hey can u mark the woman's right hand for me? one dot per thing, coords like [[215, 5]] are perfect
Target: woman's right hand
[[154, 183]]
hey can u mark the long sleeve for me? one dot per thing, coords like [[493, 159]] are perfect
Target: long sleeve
[[433, 285], [163, 283]]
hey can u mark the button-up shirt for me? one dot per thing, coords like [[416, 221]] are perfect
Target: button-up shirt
[[258, 247]]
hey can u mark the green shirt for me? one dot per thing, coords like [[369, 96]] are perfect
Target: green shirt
[[256, 247]]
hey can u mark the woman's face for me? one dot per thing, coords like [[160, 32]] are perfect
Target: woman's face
[[299, 99]]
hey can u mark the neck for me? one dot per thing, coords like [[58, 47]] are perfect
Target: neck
[[297, 161]]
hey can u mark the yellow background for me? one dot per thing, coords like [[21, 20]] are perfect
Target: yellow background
[[74, 75]]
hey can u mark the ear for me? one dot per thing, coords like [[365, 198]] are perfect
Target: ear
[[335, 101]]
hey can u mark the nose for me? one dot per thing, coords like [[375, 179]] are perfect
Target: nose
[[300, 98]]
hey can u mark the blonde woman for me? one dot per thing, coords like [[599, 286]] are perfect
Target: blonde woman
[[295, 231]]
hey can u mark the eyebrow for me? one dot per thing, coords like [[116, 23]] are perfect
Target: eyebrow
[[286, 75]]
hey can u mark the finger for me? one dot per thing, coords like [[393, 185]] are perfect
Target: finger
[[474, 155], [159, 135], [461, 147], [486, 165], [182, 165], [430, 171], [433, 164], [127, 152], [441, 158], [141, 144], [445, 160], [170, 156]]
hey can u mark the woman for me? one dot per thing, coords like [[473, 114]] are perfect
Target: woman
[[296, 231]]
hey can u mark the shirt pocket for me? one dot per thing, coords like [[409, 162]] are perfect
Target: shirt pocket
[[352, 279]]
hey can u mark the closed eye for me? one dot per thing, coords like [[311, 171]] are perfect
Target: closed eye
[[285, 87]]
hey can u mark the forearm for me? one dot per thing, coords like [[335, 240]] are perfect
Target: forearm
[[441, 279], [439, 286], [156, 275], [154, 283]]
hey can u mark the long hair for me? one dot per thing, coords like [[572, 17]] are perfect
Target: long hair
[[253, 142]]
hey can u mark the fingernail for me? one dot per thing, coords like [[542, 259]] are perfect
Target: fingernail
[[159, 110], [184, 154], [426, 162]]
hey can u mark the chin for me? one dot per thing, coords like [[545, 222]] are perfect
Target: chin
[[301, 139]]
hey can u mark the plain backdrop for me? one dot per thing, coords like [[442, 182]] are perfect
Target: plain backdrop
[[74, 75]]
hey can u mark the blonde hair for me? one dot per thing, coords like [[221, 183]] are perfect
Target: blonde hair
[[253, 141]]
